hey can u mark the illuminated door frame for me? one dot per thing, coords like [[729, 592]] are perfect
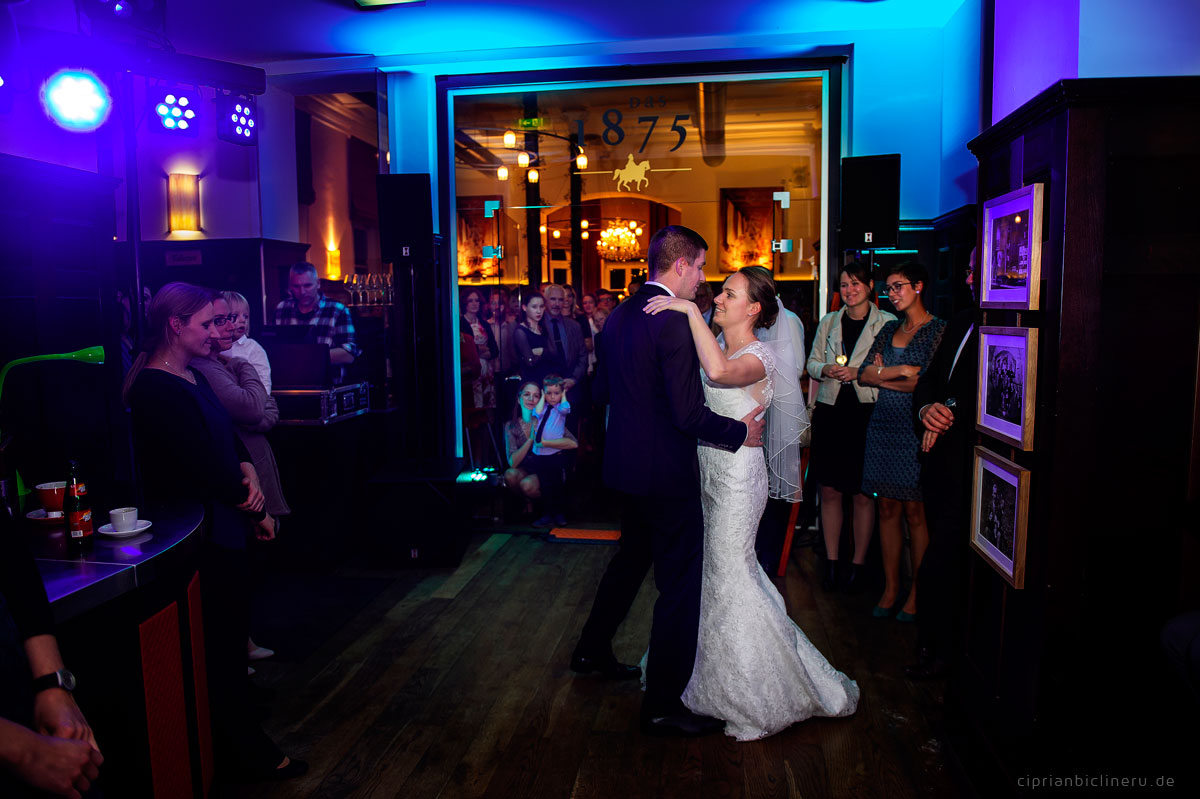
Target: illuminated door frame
[[450, 86]]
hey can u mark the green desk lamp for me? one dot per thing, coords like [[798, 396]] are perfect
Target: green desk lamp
[[87, 355]]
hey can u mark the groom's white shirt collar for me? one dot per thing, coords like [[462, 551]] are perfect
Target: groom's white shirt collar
[[660, 285]]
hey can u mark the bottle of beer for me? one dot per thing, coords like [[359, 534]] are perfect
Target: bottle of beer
[[77, 508]]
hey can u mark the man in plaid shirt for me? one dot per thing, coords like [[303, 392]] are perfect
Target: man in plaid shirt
[[307, 305]]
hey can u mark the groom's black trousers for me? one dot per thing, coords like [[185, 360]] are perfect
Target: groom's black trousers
[[668, 533]]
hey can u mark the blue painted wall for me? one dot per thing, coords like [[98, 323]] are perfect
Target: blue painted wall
[[961, 40], [1148, 37]]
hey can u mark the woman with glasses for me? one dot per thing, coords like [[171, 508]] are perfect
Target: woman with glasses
[[901, 353], [843, 410]]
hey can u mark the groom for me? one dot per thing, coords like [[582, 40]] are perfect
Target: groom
[[650, 378]]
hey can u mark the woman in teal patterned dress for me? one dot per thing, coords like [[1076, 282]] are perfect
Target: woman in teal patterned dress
[[901, 353]]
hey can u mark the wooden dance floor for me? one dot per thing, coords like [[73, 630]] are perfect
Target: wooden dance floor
[[455, 684]]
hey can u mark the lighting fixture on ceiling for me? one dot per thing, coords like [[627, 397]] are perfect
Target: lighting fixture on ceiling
[[237, 119], [76, 100], [176, 111], [532, 176], [502, 173], [522, 159], [619, 242], [510, 139]]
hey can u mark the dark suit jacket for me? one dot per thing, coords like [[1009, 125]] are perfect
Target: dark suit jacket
[[946, 469], [575, 354], [650, 376]]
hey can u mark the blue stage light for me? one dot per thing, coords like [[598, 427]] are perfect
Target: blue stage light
[[235, 120], [76, 100], [174, 108]]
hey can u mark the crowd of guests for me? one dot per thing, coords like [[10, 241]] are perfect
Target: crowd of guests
[[527, 356]]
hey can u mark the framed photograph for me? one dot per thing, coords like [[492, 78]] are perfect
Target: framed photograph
[[1012, 250], [1000, 514], [1007, 384]]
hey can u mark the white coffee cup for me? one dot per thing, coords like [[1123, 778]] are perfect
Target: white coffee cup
[[123, 519]]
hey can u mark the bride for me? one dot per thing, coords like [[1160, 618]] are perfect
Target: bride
[[754, 667]]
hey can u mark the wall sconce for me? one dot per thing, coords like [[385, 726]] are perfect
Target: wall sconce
[[581, 161], [583, 235], [542, 229], [522, 159], [533, 176], [510, 139], [502, 173], [333, 264], [183, 202], [557, 234], [583, 223]]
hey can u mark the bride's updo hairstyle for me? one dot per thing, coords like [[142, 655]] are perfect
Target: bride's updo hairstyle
[[762, 291]]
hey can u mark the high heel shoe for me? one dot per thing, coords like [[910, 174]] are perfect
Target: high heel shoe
[[905, 616], [883, 613], [854, 579], [829, 584]]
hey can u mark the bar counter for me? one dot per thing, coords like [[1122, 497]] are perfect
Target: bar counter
[[112, 567], [130, 626]]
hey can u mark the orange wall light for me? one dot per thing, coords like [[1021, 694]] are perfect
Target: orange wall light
[[183, 202], [333, 264]]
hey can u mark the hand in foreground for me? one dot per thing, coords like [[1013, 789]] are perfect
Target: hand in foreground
[[265, 529], [256, 499], [568, 383], [937, 418], [844, 374], [754, 427], [928, 439], [909, 370], [56, 714], [665, 303], [62, 767]]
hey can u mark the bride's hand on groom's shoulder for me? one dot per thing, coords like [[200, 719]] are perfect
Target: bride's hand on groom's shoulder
[[665, 303], [755, 421]]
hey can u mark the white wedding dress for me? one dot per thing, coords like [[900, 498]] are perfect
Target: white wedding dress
[[755, 669]]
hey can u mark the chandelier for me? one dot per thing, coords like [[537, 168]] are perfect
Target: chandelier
[[619, 242]]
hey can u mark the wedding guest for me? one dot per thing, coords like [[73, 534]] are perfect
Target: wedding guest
[[566, 338], [704, 301], [518, 438], [483, 387], [843, 410], [46, 743], [550, 440], [891, 471], [606, 299], [245, 347], [588, 302], [188, 450], [536, 357], [944, 405], [238, 386]]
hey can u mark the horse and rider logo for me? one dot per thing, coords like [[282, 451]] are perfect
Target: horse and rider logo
[[635, 175], [633, 172]]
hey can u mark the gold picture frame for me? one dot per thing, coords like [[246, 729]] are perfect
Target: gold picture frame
[[1000, 514], [1011, 275], [1007, 389]]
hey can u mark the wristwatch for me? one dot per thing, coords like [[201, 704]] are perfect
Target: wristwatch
[[55, 679]]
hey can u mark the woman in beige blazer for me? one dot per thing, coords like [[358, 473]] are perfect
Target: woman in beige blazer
[[839, 422]]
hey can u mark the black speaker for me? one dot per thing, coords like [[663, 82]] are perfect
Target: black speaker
[[870, 202], [405, 217]]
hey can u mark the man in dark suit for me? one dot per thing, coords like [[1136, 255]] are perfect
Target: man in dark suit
[[946, 429], [650, 378]]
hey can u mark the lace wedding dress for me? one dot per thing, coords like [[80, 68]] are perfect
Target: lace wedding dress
[[754, 667]]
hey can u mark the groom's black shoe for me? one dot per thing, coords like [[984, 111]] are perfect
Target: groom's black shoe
[[608, 667], [681, 725]]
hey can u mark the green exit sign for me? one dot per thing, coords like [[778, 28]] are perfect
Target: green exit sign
[[533, 123]]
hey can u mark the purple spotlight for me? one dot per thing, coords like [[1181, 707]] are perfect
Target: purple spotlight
[[236, 120]]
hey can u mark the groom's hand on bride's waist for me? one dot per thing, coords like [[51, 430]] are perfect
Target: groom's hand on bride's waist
[[754, 421]]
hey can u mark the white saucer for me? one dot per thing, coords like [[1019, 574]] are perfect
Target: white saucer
[[107, 529]]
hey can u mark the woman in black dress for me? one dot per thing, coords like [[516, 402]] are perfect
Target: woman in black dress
[[188, 450], [900, 355], [535, 356], [843, 410]]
